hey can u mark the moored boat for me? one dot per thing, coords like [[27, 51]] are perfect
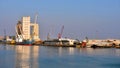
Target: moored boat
[[64, 42], [25, 42]]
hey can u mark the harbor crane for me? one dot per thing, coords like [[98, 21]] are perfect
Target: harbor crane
[[60, 34], [36, 16]]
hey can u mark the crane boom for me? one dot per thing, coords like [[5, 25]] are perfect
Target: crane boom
[[60, 34], [36, 18]]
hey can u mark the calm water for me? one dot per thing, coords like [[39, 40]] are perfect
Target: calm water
[[58, 57]]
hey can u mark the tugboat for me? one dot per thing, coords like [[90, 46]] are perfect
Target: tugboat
[[21, 41]]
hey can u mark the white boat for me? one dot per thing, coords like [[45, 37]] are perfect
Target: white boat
[[60, 42]]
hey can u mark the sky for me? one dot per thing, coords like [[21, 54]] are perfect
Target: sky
[[95, 19]]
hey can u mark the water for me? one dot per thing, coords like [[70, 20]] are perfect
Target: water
[[58, 57]]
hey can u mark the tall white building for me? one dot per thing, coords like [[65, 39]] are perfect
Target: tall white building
[[26, 27]]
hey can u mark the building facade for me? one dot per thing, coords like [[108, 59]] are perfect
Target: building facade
[[26, 27]]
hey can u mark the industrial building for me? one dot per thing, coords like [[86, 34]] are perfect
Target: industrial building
[[26, 30]]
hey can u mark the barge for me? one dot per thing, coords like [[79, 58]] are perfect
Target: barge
[[63, 42]]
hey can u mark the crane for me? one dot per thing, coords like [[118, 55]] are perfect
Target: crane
[[35, 27], [60, 34], [35, 21]]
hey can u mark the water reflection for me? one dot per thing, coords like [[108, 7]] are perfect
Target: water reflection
[[6, 56], [27, 56], [71, 50], [60, 57], [118, 52], [62, 50], [100, 51]]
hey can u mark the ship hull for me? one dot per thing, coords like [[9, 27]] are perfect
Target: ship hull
[[25, 42]]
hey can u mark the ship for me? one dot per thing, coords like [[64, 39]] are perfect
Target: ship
[[64, 42]]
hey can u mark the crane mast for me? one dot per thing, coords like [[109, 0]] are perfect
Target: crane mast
[[60, 34]]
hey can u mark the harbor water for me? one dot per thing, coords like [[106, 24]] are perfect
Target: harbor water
[[20, 56]]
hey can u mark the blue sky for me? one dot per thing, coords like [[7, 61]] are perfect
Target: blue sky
[[92, 18]]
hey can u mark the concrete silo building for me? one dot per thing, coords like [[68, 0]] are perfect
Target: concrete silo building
[[25, 30]]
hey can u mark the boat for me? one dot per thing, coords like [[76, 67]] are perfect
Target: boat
[[64, 42], [102, 44], [25, 42]]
